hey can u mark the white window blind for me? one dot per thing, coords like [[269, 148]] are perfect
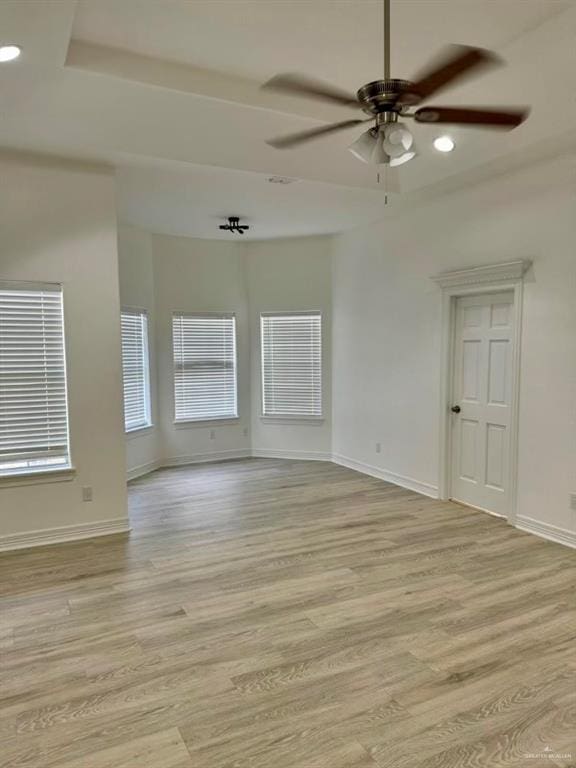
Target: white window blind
[[291, 364], [33, 402], [135, 369], [204, 367]]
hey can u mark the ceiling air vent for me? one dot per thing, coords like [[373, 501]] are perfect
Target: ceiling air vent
[[280, 180]]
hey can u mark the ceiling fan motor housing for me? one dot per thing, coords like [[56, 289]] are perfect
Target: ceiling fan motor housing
[[382, 96]]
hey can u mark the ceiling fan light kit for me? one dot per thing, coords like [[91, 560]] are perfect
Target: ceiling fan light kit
[[388, 141]]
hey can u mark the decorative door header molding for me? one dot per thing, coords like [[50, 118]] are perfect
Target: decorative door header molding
[[491, 273]]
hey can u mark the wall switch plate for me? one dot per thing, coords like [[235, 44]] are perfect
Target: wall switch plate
[[378, 447], [87, 493]]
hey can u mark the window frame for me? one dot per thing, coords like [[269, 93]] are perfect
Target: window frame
[[38, 474], [192, 422], [140, 311], [293, 418]]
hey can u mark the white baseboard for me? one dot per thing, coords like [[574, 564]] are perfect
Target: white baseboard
[[479, 509], [121, 525], [143, 469], [203, 458], [296, 455], [546, 531], [390, 477], [367, 469], [61, 535]]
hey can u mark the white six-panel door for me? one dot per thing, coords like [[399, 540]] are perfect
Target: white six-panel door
[[482, 390]]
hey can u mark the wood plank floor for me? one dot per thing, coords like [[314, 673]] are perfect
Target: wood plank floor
[[274, 614]]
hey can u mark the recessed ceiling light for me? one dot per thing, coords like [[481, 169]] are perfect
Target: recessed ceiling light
[[9, 52], [444, 144]]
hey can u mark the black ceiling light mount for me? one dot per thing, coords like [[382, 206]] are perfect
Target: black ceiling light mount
[[234, 225]]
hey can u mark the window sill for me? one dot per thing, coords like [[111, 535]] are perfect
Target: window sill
[[225, 420], [139, 431], [310, 421], [39, 477]]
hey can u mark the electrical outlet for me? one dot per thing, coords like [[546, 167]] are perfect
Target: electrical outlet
[[245, 431], [87, 493], [378, 447], [573, 501], [212, 434]]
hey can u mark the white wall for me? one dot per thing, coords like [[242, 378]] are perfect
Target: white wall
[[382, 317], [387, 331], [199, 276], [58, 224], [136, 270], [290, 275], [164, 274]]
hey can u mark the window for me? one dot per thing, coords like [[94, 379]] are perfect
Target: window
[[136, 370], [291, 364], [204, 367], [33, 402]]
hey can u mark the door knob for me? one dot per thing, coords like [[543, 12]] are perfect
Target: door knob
[[455, 409]]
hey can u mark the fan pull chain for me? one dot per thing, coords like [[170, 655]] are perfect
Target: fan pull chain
[[385, 185]]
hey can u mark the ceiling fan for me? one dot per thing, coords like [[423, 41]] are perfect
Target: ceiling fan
[[389, 141]]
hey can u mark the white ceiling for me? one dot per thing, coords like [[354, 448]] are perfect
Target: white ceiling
[[168, 92], [341, 41], [193, 202]]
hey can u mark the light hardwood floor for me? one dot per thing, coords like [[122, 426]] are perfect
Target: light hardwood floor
[[274, 614]]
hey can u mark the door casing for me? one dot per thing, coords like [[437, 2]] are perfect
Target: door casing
[[471, 282]]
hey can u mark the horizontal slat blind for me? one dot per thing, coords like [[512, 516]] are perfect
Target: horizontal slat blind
[[33, 402], [204, 367], [135, 369], [292, 364]]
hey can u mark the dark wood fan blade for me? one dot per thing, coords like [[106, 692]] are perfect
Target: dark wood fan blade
[[300, 85], [457, 62], [284, 142], [505, 119]]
